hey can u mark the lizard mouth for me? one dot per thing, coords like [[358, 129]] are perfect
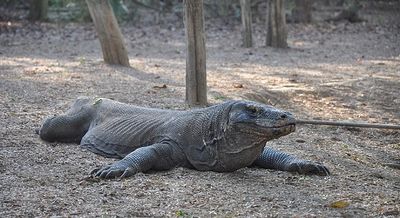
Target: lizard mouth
[[284, 129], [288, 127], [267, 132]]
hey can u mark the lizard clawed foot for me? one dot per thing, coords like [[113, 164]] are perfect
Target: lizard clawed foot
[[116, 170], [308, 167]]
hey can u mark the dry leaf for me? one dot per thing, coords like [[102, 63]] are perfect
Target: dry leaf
[[300, 140], [163, 86], [339, 204]]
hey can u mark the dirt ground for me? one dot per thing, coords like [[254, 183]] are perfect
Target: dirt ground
[[338, 71]]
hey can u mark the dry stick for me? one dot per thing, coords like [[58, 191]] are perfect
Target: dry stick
[[349, 124]]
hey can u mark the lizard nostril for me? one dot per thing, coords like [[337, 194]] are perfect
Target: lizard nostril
[[283, 116]]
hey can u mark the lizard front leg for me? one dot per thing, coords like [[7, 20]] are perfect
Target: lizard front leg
[[159, 156], [272, 159]]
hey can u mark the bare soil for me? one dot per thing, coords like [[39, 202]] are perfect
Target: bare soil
[[338, 71]]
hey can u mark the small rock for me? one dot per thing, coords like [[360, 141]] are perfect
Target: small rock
[[139, 195], [238, 85]]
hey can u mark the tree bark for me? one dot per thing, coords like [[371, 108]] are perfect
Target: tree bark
[[110, 36], [246, 23], [302, 11], [38, 10], [196, 81], [276, 24]]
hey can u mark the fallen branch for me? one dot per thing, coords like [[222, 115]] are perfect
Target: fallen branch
[[348, 124]]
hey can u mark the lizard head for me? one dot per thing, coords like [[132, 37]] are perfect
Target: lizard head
[[253, 124], [247, 127]]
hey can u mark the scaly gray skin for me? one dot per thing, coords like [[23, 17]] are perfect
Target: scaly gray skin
[[221, 138]]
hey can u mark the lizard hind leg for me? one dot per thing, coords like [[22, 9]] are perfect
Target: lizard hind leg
[[68, 127]]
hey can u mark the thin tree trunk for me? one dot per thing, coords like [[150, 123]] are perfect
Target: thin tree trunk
[[246, 23], [38, 10], [302, 11], [110, 36], [196, 82], [276, 24], [223, 9]]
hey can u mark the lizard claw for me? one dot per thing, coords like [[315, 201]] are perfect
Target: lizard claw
[[308, 167], [94, 171], [116, 170]]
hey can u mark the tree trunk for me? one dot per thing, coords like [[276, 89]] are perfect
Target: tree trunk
[[156, 14], [169, 5], [110, 36], [223, 9], [245, 8], [276, 24], [38, 10], [196, 82], [302, 11]]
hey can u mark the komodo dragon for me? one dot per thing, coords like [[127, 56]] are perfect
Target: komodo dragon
[[221, 138]]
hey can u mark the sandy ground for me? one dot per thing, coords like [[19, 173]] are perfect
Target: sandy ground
[[337, 71]]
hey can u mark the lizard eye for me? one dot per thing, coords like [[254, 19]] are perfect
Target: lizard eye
[[253, 110]]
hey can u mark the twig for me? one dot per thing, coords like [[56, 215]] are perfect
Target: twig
[[349, 124]]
